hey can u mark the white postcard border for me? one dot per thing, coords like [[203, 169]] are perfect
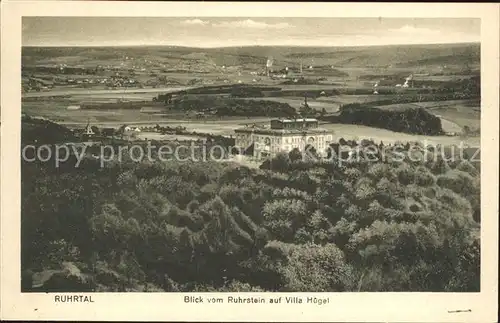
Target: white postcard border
[[345, 307]]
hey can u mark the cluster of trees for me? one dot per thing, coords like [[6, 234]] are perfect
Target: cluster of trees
[[294, 225], [225, 106], [411, 120]]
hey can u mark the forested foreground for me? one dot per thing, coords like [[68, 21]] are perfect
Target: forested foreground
[[289, 226]]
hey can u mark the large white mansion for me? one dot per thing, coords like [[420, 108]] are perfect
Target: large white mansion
[[283, 135]]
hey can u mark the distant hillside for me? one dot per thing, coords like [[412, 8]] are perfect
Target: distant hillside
[[395, 55]]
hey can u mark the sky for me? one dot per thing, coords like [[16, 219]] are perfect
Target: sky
[[241, 31]]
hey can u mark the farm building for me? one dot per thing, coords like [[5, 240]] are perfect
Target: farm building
[[88, 130]]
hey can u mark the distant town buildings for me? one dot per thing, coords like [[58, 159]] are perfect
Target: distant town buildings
[[283, 135]]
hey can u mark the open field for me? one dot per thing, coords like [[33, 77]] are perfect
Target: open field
[[461, 112]]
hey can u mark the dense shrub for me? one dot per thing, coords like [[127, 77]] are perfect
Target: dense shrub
[[289, 226]]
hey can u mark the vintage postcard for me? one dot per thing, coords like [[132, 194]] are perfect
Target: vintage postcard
[[263, 162]]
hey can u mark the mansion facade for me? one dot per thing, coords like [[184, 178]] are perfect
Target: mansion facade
[[283, 135]]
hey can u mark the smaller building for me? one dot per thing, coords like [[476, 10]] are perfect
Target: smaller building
[[88, 131]]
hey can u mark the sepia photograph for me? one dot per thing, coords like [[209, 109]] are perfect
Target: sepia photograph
[[250, 154], [319, 191]]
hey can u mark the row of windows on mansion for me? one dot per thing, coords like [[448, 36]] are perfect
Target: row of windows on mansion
[[283, 136]]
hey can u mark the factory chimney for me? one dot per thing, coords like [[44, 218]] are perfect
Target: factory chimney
[[269, 64]]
